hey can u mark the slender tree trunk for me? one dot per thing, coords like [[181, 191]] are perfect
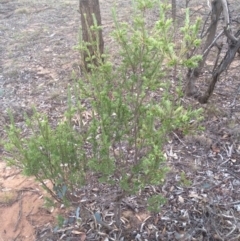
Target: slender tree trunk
[[174, 13], [227, 60], [90, 11], [174, 9], [193, 74], [218, 7]]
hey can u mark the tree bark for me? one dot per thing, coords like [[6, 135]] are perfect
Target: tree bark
[[174, 11], [193, 74], [90, 10], [227, 60]]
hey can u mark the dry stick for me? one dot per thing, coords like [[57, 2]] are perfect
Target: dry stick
[[213, 42], [193, 74], [100, 221], [233, 104], [179, 138], [30, 212], [19, 216], [205, 23], [218, 55], [227, 60], [228, 234], [174, 12], [9, 15], [48, 189], [227, 28], [234, 238], [43, 9], [15, 239], [11, 175], [234, 46], [117, 209]]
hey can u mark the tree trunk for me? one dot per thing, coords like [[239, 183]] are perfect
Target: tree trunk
[[90, 11], [193, 74], [227, 60], [218, 7], [174, 11]]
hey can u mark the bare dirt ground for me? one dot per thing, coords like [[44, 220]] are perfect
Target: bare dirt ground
[[37, 57], [21, 206], [36, 62]]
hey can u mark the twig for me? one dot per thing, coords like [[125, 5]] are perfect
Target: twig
[[100, 221], [213, 42], [229, 150], [233, 173], [179, 139], [230, 204], [234, 238], [224, 161], [30, 212], [13, 174], [9, 15], [16, 237], [233, 104], [234, 228], [205, 22], [129, 205], [19, 216], [42, 9]]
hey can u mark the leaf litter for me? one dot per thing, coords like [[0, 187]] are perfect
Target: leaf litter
[[37, 57]]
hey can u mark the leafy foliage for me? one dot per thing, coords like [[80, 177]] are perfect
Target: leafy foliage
[[49, 153], [123, 141], [130, 128]]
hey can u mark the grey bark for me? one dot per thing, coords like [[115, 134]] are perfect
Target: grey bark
[[193, 74], [218, 7], [90, 9], [227, 60]]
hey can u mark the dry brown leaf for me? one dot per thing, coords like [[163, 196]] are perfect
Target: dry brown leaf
[[194, 195], [180, 199], [215, 148], [225, 136], [76, 232]]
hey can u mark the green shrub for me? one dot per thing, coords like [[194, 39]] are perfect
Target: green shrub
[[49, 154], [130, 128], [123, 141]]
